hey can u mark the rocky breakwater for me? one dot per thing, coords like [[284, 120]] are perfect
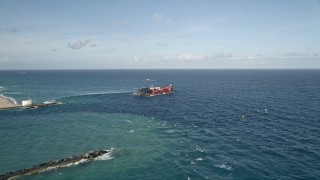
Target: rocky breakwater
[[56, 164]]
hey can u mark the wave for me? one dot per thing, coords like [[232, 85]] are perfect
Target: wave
[[131, 131], [49, 102], [14, 92], [223, 166], [107, 156], [199, 159], [67, 162]]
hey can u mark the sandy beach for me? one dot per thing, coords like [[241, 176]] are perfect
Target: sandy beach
[[6, 103]]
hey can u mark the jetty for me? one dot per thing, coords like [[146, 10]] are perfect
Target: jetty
[[55, 164], [27, 104]]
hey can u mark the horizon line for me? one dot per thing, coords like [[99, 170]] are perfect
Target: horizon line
[[82, 69]]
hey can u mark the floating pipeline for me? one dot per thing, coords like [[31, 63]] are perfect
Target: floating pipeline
[[55, 164]]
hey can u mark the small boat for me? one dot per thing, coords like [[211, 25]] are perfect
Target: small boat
[[154, 91]]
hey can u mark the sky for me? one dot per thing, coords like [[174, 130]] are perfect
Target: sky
[[154, 34]]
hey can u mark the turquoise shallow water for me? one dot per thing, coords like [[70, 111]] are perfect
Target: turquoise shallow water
[[219, 124]]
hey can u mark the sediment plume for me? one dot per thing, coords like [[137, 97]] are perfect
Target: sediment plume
[[55, 164]]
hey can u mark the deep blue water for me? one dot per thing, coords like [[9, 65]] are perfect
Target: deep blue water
[[219, 124]]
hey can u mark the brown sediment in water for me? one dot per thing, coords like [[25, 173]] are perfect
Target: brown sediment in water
[[55, 164]]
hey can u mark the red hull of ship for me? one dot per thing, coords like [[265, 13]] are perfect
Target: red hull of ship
[[161, 90], [154, 91]]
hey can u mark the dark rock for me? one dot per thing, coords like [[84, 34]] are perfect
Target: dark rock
[[55, 163]]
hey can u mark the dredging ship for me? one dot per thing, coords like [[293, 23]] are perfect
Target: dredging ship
[[154, 91]]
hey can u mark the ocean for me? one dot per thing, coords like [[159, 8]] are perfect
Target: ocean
[[219, 124]]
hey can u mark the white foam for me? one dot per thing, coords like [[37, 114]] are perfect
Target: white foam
[[131, 131], [199, 159], [223, 166], [130, 121], [65, 165], [50, 102], [199, 149], [14, 93], [106, 156]]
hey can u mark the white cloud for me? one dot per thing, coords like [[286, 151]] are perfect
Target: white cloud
[[127, 22], [162, 44], [180, 58], [220, 56], [190, 32], [8, 30], [297, 55], [4, 60], [184, 35], [196, 57], [157, 17], [78, 44], [137, 59], [292, 55], [93, 45], [189, 57], [160, 18], [169, 21], [196, 29]]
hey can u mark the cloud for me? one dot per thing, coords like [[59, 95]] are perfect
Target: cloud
[[162, 44], [220, 56], [101, 24], [191, 32], [127, 22], [78, 44], [184, 35], [189, 57], [288, 55], [140, 60], [196, 29], [8, 30], [93, 45], [294, 55], [159, 18], [4, 60], [196, 57]]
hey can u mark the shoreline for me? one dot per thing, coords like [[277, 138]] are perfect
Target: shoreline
[[7, 102]]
